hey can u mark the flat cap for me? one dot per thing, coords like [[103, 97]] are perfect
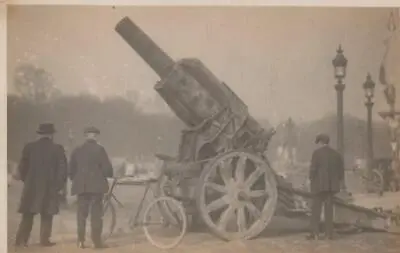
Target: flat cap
[[324, 138], [91, 129]]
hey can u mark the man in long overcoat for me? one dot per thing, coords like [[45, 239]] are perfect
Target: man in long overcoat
[[43, 169], [90, 167], [326, 177]]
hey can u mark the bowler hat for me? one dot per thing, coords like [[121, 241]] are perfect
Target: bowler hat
[[46, 128], [92, 130], [324, 138]]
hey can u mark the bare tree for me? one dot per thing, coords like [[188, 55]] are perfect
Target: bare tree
[[34, 83]]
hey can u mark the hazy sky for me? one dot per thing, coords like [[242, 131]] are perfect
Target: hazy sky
[[278, 60]]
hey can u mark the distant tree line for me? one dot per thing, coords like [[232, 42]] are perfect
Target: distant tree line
[[125, 131], [128, 132]]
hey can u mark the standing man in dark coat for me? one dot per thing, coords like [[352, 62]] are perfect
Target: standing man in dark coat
[[43, 169], [89, 169], [326, 177]]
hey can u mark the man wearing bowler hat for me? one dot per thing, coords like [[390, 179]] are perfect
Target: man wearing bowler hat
[[326, 176], [43, 169], [89, 169]]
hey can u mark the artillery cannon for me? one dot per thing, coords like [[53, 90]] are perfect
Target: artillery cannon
[[221, 164], [221, 172]]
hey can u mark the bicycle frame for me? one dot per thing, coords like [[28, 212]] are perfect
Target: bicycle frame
[[133, 220], [133, 217]]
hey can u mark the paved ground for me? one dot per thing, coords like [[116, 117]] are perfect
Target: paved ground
[[283, 236]]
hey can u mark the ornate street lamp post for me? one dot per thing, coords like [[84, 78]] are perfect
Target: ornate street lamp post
[[369, 87], [340, 64]]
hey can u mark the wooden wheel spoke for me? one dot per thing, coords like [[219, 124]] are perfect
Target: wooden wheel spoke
[[241, 219], [216, 204], [240, 168], [257, 193], [226, 217], [216, 187], [226, 171], [254, 176], [253, 210]]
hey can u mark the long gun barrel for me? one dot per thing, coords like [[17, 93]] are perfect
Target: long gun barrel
[[192, 91], [158, 60]]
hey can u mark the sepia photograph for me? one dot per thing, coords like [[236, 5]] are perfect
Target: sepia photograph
[[203, 128]]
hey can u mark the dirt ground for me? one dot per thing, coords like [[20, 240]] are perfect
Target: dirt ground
[[282, 235]]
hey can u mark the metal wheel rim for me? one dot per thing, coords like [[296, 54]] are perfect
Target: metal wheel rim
[[183, 217], [164, 208]]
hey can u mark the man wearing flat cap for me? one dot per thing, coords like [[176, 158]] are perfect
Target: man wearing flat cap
[[89, 169], [326, 176], [43, 169]]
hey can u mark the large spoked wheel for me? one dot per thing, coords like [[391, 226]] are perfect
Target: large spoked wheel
[[109, 218], [171, 233], [237, 195]]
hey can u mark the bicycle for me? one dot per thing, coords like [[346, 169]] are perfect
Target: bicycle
[[178, 218]]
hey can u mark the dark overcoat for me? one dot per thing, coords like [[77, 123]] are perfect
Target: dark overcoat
[[327, 170], [43, 169], [89, 169]]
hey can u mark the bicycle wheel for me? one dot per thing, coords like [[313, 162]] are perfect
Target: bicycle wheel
[[154, 216], [164, 187], [109, 218]]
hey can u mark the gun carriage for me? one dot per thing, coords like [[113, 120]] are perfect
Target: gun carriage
[[221, 172]]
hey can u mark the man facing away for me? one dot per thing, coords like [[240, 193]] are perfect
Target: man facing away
[[326, 176], [89, 169], [43, 170]]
